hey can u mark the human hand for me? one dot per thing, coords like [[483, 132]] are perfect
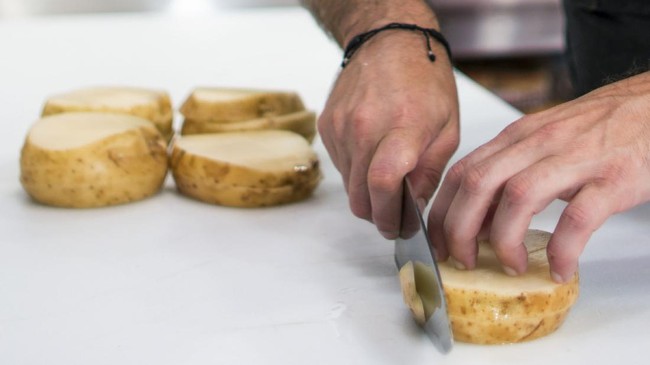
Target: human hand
[[391, 112], [593, 152]]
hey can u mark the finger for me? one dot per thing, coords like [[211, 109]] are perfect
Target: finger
[[359, 195], [523, 196], [588, 210], [396, 155], [480, 185], [484, 232], [327, 132], [427, 174], [452, 181], [440, 207]]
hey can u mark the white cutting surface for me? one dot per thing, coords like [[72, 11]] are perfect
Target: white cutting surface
[[174, 281]]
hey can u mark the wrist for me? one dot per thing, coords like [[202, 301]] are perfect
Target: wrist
[[363, 19], [428, 34]]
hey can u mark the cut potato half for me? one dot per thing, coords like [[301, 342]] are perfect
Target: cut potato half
[[303, 123], [243, 196], [228, 105], [260, 159], [83, 160], [243, 164], [487, 306], [153, 105]]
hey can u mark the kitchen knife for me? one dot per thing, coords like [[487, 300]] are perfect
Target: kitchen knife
[[414, 245]]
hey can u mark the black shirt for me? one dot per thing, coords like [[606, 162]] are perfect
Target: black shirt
[[607, 40]]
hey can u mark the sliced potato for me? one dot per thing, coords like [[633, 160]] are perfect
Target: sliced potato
[[228, 105], [487, 306], [153, 105], [302, 122], [245, 168], [261, 159], [208, 191], [410, 293], [83, 160], [505, 330]]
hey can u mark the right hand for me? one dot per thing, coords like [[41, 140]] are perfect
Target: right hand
[[391, 112]]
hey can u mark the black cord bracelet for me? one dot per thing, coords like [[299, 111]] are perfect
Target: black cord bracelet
[[428, 33]]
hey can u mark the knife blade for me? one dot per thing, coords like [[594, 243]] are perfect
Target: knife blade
[[413, 245]]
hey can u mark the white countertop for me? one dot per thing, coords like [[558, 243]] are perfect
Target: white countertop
[[173, 281]]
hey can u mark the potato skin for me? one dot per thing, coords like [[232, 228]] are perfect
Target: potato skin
[[486, 306], [208, 191], [159, 113], [125, 167], [508, 309], [303, 123], [507, 330], [189, 166], [258, 104]]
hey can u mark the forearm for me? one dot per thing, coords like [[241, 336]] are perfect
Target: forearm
[[344, 19]]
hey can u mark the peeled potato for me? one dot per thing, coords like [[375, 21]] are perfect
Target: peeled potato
[[224, 105], [245, 169], [83, 160], [486, 306], [302, 122], [153, 105]]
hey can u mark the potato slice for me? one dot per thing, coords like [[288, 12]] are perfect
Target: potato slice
[[487, 306], [239, 168], [153, 105], [261, 159], [242, 196], [302, 122], [83, 160], [228, 105], [410, 293]]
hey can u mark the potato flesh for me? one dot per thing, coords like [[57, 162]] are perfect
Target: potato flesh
[[303, 123], [245, 169], [118, 98], [486, 306], [74, 130], [222, 105], [85, 169], [243, 196], [152, 105], [262, 151]]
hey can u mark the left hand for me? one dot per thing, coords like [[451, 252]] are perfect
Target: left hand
[[593, 152]]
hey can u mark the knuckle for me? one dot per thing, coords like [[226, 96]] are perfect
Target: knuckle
[[578, 217], [518, 190], [362, 118], [549, 131], [456, 172], [475, 179], [511, 132], [616, 172], [561, 255], [382, 179]]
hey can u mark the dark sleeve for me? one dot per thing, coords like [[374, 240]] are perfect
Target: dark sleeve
[[607, 40]]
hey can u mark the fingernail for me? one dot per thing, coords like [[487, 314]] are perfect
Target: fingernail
[[557, 277], [459, 265], [510, 271]]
